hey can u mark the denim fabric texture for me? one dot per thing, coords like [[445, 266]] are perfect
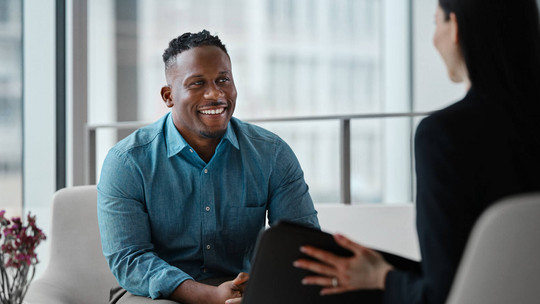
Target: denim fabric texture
[[166, 216]]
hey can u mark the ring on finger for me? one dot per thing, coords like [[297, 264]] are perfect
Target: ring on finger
[[335, 282]]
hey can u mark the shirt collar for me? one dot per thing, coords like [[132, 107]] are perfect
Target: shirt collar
[[230, 135], [177, 143]]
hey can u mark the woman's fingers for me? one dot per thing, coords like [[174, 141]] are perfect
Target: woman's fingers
[[321, 255], [314, 266], [366, 269], [347, 243], [331, 284], [318, 280]]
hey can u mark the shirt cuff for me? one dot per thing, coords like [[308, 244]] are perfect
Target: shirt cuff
[[163, 284]]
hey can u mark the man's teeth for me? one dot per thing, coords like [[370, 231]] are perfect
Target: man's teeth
[[216, 111]]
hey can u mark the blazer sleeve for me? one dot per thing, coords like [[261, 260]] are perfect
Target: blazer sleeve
[[445, 189]]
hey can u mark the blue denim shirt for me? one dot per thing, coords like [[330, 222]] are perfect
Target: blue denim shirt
[[166, 216]]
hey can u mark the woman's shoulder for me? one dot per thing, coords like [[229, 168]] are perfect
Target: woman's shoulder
[[468, 121], [468, 107], [465, 111]]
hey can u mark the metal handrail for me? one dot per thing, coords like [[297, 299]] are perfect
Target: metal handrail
[[345, 141]]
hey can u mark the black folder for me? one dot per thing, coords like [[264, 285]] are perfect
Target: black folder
[[274, 279]]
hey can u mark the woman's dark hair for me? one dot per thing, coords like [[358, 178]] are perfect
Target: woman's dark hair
[[188, 41], [500, 42]]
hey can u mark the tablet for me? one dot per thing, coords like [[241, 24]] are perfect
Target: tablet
[[274, 279]]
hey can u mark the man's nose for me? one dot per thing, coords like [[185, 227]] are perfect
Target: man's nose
[[213, 91]]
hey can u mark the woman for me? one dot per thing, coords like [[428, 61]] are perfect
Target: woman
[[469, 155]]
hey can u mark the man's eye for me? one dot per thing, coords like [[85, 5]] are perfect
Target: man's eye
[[196, 83], [224, 79]]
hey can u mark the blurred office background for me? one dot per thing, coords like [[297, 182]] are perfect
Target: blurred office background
[[69, 64]]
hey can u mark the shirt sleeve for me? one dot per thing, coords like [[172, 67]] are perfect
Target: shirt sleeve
[[289, 196], [125, 232], [445, 190]]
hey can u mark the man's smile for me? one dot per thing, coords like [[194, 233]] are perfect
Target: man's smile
[[212, 111]]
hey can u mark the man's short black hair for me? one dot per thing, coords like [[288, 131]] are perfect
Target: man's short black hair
[[188, 41]]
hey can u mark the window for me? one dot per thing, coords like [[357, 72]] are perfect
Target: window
[[291, 59], [11, 107]]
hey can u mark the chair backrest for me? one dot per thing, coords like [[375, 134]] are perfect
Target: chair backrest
[[77, 271], [501, 261], [388, 227]]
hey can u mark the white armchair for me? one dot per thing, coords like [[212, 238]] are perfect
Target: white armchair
[[77, 272], [501, 261]]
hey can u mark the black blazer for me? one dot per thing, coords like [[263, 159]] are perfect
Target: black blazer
[[467, 155]]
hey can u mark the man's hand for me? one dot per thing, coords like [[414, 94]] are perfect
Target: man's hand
[[230, 292], [236, 286]]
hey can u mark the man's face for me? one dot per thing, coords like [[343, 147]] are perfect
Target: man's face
[[201, 93]]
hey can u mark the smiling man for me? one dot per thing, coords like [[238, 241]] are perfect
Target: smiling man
[[182, 201]]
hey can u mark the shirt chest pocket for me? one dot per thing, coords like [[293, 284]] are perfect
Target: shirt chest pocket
[[244, 225]]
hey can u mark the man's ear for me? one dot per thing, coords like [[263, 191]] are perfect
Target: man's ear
[[166, 95], [454, 28]]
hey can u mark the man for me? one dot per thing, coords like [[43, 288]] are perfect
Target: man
[[182, 201]]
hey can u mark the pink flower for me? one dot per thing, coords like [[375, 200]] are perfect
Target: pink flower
[[17, 255]]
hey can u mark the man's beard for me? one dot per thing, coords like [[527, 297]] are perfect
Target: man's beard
[[216, 134]]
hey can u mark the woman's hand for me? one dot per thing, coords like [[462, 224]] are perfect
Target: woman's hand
[[366, 269]]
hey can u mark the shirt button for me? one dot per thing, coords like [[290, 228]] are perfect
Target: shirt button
[[208, 247], [205, 270], [205, 170], [207, 208]]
